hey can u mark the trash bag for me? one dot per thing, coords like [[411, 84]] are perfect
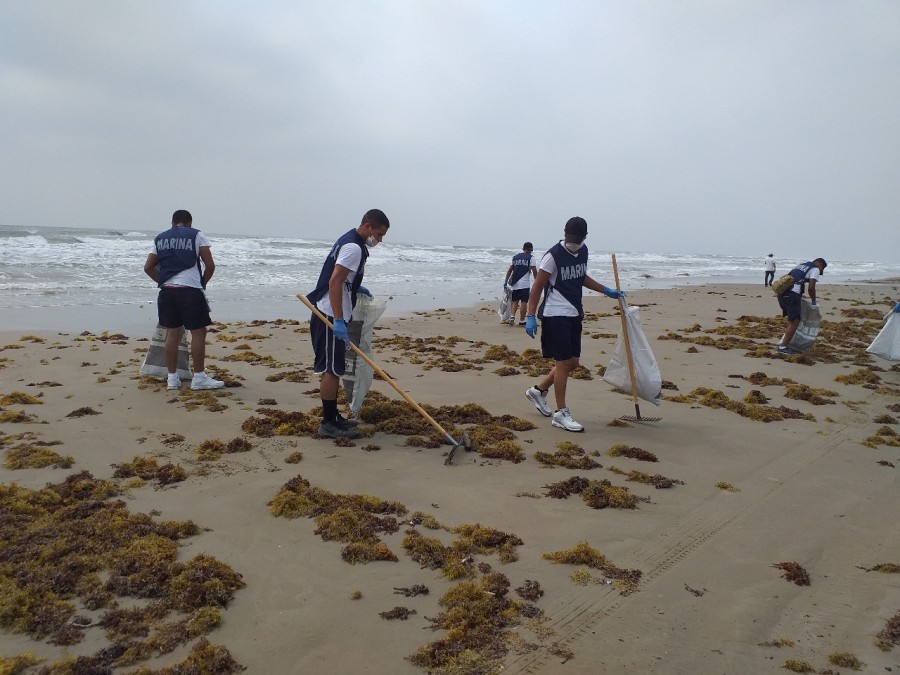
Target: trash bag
[[358, 374], [155, 362], [887, 343], [505, 304], [808, 329], [646, 372]]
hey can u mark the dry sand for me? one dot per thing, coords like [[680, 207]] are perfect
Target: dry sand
[[806, 491]]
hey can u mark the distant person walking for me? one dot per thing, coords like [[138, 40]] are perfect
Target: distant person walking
[[560, 278], [770, 269], [805, 275], [335, 296], [174, 264], [518, 280]]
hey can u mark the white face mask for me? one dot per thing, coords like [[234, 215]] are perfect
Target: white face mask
[[574, 248], [372, 242]]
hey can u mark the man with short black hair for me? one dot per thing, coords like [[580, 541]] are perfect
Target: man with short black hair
[[335, 296], [561, 277], [174, 264], [805, 275], [518, 281]]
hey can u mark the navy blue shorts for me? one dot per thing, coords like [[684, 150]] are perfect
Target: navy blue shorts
[[790, 305], [183, 306], [560, 337], [520, 294], [330, 352]]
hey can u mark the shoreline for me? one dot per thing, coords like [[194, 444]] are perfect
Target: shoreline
[[708, 599]]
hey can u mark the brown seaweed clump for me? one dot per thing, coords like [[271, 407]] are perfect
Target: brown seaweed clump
[[94, 538], [530, 590], [456, 560], [16, 417], [622, 450], [756, 396], [714, 398], [845, 660], [13, 665], [863, 376], [889, 636], [728, 487], [885, 419], [412, 591], [796, 666], [272, 422], [82, 412], [794, 572], [352, 519], [147, 468], [401, 613], [584, 554], [816, 396], [569, 456], [476, 618]]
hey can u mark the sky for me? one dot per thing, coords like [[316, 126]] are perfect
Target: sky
[[735, 128]]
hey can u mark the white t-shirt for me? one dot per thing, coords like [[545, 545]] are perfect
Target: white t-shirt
[[191, 276], [556, 304], [525, 281], [349, 256], [770, 264], [813, 273]]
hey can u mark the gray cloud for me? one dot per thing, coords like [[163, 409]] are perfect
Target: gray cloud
[[695, 126]]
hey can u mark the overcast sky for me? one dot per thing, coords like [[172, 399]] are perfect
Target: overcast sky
[[709, 127]]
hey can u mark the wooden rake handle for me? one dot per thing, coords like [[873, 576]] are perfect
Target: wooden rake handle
[[634, 393], [381, 373]]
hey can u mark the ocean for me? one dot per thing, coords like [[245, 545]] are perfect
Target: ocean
[[74, 279]]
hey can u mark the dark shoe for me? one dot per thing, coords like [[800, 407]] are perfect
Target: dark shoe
[[328, 430], [344, 423]]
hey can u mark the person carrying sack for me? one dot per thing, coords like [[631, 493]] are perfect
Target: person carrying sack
[[803, 275]]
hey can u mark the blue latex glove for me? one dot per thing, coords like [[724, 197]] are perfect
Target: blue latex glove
[[813, 303], [531, 325], [340, 331], [613, 293], [897, 307], [364, 291]]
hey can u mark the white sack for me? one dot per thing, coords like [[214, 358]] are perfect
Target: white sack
[[358, 374], [155, 362], [505, 303], [646, 372], [887, 343], [808, 329]]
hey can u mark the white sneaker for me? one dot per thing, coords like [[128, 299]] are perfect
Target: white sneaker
[[173, 382], [539, 399], [204, 381], [563, 420], [511, 321]]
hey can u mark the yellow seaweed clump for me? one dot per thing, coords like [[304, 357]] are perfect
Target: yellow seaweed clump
[[796, 666], [274, 422], [35, 456], [584, 554], [862, 376], [884, 436], [569, 456], [845, 660], [816, 396], [20, 398]]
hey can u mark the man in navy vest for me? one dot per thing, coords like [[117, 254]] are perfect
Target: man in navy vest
[[335, 296], [561, 277], [174, 264], [518, 280], [806, 274]]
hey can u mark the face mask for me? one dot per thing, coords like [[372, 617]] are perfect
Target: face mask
[[574, 248], [371, 242]]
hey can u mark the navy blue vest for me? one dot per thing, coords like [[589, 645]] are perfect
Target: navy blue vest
[[520, 267], [799, 274], [176, 249], [570, 273], [321, 290]]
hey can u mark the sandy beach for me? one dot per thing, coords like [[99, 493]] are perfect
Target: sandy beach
[[761, 460]]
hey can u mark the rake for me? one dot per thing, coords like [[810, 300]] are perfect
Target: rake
[[637, 408], [464, 441]]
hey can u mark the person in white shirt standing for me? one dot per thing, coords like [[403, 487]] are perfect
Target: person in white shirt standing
[[518, 281], [770, 270], [174, 264]]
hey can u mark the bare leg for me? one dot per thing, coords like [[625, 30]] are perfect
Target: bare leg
[[558, 378], [173, 339], [328, 387], [789, 332], [198, 349]]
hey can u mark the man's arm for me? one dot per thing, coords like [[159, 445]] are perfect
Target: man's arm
[[540, 281], [600, 288], [534, 271], [150, 267], [208, 265], [336, 290], [812, 291], [508, 273]]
